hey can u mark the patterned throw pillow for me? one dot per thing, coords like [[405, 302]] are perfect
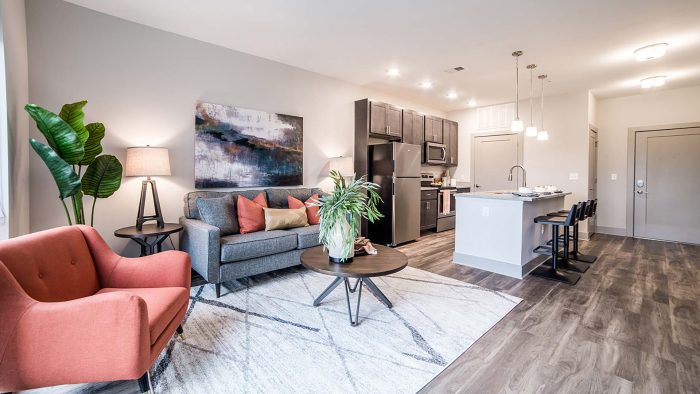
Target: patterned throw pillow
[[311, 212], [251, 216], [219, 212]]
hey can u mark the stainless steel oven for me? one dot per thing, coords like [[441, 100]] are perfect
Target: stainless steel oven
[[453, 203], [435, 153]]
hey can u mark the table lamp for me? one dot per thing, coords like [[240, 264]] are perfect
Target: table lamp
[[148, 161]]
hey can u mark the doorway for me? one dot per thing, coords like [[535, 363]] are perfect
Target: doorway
[[492, 156], [666, 184], [592, 175]]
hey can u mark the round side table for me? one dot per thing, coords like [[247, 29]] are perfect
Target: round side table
[[150, 237]]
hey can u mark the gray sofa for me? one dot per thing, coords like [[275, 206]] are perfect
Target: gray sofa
[[219, 259]]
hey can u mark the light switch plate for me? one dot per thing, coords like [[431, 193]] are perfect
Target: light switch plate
[[485, 211], [573, 176], [613, 177]]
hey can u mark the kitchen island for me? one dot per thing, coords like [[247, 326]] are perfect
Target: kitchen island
[[496, 232]]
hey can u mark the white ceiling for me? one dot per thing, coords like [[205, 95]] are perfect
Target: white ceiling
[[580, 44]]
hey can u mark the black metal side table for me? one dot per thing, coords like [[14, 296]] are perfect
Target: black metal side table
[[150, 237]]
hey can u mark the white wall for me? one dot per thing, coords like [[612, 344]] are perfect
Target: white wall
[[142, 83], [16, 181], [546, 162], [614, 117]]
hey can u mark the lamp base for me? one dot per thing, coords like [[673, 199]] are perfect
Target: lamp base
[[158, 216]]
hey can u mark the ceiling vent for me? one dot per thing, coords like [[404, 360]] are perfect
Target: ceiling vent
[[454, 70]]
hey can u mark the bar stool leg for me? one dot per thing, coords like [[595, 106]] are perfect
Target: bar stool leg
[[575, 255], [549, 269], [563, 262]]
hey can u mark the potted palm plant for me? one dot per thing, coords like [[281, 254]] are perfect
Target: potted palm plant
[[340, 213]]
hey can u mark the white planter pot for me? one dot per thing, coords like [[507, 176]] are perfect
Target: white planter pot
[[341, 242]]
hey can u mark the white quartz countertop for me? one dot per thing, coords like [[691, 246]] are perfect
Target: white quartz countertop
[[508, 195]]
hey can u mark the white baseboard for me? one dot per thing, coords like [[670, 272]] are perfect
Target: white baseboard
[[612, 230]]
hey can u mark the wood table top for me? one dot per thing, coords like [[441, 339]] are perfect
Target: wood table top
[[148, 230], [385, 262]]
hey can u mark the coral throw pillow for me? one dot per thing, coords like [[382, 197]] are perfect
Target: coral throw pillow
[[311, 212], [251, 215]]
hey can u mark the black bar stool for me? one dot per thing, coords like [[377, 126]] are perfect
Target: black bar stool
[[553, 271], [587, 212]]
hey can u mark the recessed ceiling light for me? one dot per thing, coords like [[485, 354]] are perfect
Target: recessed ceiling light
[[650, 52], [451, 95], [426, 84], [472, 103], [653, 82], [393, 72]]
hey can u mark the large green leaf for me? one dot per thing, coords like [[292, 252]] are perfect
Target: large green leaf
[[93, 145], [66, 179], [103, 177], [73, 115], [59, 134]]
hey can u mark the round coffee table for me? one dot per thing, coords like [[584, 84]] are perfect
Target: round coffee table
[[386, 261]]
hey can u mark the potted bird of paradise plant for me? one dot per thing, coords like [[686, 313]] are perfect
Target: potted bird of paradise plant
[[340, 213]]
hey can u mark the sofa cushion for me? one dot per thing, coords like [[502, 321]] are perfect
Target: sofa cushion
[[251, 216], [277, 198], [307, 237], [219, 212], [162, 303], [239, 247], [191, 211]]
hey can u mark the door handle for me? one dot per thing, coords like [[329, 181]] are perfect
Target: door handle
[[640, 191]]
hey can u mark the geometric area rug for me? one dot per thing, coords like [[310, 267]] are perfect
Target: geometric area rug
[[269, 338]]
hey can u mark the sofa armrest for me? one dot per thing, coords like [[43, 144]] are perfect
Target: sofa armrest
[[98, 338], [202, 242]]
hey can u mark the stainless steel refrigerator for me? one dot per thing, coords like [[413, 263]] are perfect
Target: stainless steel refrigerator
[[396, 168]]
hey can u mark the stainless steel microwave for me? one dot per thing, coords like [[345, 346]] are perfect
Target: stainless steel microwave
[[435, 153]]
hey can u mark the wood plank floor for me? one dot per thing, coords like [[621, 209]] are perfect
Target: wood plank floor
[[631, 324]]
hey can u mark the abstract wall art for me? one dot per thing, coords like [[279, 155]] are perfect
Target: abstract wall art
[[238, 147]]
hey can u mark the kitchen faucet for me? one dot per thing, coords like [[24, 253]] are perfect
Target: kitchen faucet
[[510, 175]]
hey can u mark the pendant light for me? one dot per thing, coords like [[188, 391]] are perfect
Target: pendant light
[[531, 131], [542, 135], [517, 124]]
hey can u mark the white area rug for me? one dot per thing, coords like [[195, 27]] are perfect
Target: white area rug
[[268, 338]]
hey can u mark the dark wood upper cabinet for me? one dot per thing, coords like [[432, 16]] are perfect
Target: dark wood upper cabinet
[[377, 118], [433, 129], [393, 121], [407, 128], [451, 141]]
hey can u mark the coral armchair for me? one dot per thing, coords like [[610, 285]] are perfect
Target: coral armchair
[[73, 311]]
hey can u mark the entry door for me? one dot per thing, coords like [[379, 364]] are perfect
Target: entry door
[[494, 155], [592, 174], [667, 185]]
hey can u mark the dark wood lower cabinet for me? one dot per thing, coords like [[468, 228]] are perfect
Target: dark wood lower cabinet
[[428, 214]]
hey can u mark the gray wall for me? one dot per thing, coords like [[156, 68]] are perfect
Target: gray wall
[[142, 83]]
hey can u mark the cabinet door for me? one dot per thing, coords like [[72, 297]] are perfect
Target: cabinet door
[[393, 120], [419, 133], [454, 141], [437, 130], [428, 132], [431, 214], [446, 141], [377, 118], [408, 136]]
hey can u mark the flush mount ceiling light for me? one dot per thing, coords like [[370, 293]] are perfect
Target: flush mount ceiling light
[[472, 103], [426, 85], [451, 95], [650, 52], [653, 82], [393, 72], [531, 130], [516, 125], [542, 135]]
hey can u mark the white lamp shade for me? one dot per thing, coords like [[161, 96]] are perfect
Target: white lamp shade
[[517, 125], [147, 161], [542, 135], [344, 165], [531, 131]]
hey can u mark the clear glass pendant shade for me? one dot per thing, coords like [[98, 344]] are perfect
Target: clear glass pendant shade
[[531, 131]]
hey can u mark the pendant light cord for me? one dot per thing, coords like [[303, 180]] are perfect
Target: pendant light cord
[[542, 77], [517, 116]]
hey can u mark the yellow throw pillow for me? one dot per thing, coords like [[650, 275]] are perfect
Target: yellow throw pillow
[[280, 219]]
